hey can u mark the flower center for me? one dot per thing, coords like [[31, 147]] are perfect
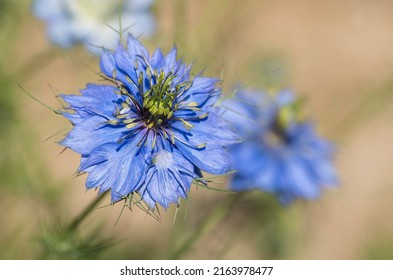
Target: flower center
[[160, 101], [277, 134], [275, 138]]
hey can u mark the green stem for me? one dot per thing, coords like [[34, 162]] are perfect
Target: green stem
[[218, 214], [79, 219]]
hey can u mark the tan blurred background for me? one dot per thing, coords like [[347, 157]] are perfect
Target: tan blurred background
[[339, 54]]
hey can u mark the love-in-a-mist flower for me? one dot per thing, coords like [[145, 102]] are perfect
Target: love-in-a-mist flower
[[91, 22], [152, 130], [281, 154]]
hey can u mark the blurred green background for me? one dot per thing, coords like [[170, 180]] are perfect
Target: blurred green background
[[338, 54]]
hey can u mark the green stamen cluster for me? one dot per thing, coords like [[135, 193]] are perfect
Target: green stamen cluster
[[289, 113], [159, 101], [286, 115]]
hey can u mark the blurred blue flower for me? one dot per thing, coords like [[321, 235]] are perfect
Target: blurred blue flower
[[90, 22], [281, 154], [151, 131]]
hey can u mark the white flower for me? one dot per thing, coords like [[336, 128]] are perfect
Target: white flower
[[90, 22]]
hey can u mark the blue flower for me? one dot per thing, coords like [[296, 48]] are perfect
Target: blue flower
[[70, 22], [151, 130], [281, 154]]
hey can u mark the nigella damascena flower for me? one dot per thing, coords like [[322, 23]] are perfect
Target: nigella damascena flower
[[281, 154], [90, 22], [152, 131]]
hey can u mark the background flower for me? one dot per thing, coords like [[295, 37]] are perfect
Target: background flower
[[90, 22], [281, 154]]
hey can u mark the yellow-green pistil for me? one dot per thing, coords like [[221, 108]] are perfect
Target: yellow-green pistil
[[286, 116], [159, 101]]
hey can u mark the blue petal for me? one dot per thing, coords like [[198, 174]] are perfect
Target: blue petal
[[163, 188], [135, 48], [170, 61], [249, 113], [119, 168], [96, 100], [74, 118], [124, 63], [216, 130], [119, 65], [213, 159], [255, 167], [203, 91], [165, 182], [299, 181], [91, 133], [322, 170], [269, 171], [157, 60], [103, 92], [213, 129], [285, 97], [107, 63]]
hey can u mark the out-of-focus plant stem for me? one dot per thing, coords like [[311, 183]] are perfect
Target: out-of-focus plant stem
[[79, 219], [210, 223]]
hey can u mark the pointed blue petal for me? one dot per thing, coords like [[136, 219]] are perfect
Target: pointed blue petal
[[119, 168], [205, 131], [95, 100], [170, 61], [107, 63], [157, 59], [212, 159], [302, 183], [124, 64], [91, 133], [165, 182], [203, 91], [74, 118], [135, 48]]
